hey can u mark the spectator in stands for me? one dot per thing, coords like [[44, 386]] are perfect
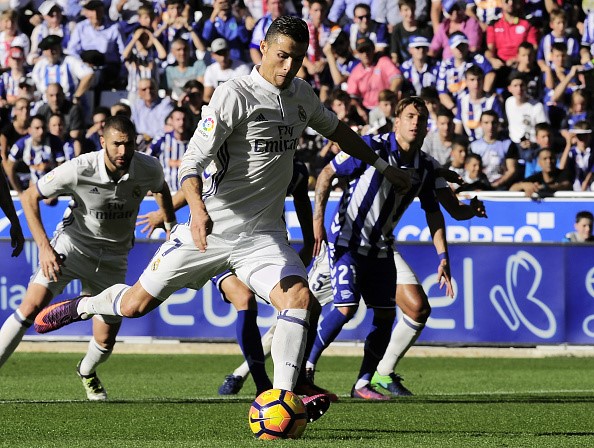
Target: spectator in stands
[[579, 110], [451, 82], [418, 71], [149, 111], [340, 59], [381, 117], [171, 146], [176, 75], [403, 31], [11, 36], [142, 57], [11, 79], [176, 26], [276, 8], [505, 36], [471, 104], [522, 112], [70, 72], [457, 157], [386, 11], [528, 151], [557, 23], [222, 23], [121, 109], [364, 26], [92, 140], [526, 66], [474, 177], [56, 126], [375, 73], [578, 157], [126, 14], [500, 157], [98, 34], [191, 100], [53, 23], [438, 143], [41, 151], [73, 114], [342, 12], [583, 229], [223, 69], [13, 130], [545, 182], [457, 21]]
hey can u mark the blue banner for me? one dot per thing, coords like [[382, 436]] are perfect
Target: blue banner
[[510, 220], [507, 293]]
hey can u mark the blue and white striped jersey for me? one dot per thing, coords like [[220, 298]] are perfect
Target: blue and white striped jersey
[[415, 80], [370, 208], [469, 113], [40, 159], [588, 35], [169, 151], [546, 43], [450, 78]]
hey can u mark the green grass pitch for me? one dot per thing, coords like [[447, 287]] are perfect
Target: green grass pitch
[[171, 401]]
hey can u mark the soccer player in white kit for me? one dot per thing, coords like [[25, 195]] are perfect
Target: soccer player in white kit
[[94, 238], [251, 129]]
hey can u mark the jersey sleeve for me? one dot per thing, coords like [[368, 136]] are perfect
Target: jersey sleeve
[[217, 123], [346, 166], [60, 180]]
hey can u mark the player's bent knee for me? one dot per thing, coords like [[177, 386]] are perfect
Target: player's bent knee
[[291, 293]]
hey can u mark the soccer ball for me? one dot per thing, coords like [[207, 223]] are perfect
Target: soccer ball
[[277, 414]]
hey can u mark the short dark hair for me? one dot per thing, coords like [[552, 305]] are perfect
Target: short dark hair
[[584, 214], [412, 4], [460, 140], [475, 70], [120, 123], [37, 117], [526, 45], [559, 46], [340, 95], [193, 84], [443, 111], [491, 113], [472, 155], [102, 110], [362, 5], [289, 26], [544, 126], [415, 101]]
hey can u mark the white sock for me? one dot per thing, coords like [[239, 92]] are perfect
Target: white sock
[[310, 365], [288, 346], [106, 303], [95, 356], [404, 335], [244, 369], [11, 334], [361, 383]]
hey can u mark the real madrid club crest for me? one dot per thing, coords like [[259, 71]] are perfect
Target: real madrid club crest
[[302, 114], [136, 192], [155, 264]]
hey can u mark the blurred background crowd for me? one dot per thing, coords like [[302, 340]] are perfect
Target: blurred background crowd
[[508, 83]]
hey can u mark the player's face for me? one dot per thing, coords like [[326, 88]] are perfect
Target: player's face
[[119, 149], [411, 125], [584, 228], [281, 60]]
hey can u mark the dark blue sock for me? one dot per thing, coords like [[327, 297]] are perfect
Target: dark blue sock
[[248, 338], [376, 343], [329, 329]]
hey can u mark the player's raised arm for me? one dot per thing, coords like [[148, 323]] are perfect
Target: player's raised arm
[[350, 142]]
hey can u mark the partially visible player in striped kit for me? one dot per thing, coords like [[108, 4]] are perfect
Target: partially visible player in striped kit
[[361, 239], [171, 146]]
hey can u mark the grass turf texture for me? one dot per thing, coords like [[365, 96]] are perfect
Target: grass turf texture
[[171, 401]]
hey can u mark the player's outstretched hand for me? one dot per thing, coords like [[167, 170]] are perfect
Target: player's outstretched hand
[[479, 207], [201, 227], [17, 240], [445, 278], [399, 178], [150, 221]]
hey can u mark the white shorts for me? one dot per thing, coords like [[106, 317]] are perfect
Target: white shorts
[[96, 271], [259, 261], [319, 276]]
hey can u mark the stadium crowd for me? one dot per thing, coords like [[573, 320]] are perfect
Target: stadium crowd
[[503, 80]]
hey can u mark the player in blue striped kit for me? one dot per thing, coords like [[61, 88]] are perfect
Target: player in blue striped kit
[[361, 241]]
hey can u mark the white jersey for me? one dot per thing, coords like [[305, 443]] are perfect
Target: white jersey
[[214, 75], [251, 130], [103, 214]]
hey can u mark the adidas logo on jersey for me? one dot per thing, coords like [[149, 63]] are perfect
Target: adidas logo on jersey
[[94, 190], [261, 117]]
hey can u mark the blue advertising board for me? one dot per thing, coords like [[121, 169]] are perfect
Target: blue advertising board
[[518, 293], [511, 219]]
